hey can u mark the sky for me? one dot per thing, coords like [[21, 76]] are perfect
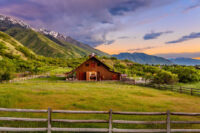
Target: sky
[[168, 28]]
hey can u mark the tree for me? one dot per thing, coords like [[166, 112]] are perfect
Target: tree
[[7, 69], [165, 77], [185, 74]]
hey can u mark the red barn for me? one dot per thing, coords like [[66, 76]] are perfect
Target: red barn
[[94, 70]]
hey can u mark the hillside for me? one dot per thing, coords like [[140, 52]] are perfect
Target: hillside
[[185, 61], [86, 47], [11, 48], [143, 58], [43, 43]]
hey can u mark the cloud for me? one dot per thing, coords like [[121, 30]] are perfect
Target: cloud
[[123, 37], [194, 6], [139, 49], [186, 38], [154, 35], [127, 6], [89, 21]]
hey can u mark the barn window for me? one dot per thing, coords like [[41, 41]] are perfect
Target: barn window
[[87, 64], [93, 64], [99, 64]]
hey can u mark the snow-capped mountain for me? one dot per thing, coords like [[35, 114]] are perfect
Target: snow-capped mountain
[[52, 33], [13, 21], [63, 46]]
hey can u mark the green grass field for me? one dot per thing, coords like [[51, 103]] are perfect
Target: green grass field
[[58, 94], [191, 85]]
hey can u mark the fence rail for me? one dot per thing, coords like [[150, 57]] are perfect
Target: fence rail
[[180, 89], [110, 121]]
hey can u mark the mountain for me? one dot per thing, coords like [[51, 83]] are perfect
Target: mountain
[[12, 49], [143, 58], [44, 42], [68, 39], [185, 61]]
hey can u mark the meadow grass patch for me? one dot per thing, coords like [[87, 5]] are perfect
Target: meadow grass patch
[[44, 93]]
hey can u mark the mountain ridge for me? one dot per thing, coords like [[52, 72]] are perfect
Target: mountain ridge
[[143, 58], [45, 42], [185, 61]]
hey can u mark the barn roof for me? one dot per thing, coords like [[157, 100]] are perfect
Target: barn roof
[[95, 58]]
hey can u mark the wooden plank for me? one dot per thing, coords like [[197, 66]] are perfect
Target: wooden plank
[[23, 110], [100, 130], [9, 129], [79, 121], [49, 120], [138, 130], [185, 130], [139, 113], [168, 122], [185, 122], [138, 122], [110, 121], [79, 112], [185, 114], [22, 119]]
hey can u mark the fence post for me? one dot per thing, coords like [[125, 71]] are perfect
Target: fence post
[[180, 89], [49, 121], [191, 91], [168, 122], [110, 121], [159, 86]]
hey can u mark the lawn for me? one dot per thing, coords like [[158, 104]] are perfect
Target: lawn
[[58, 94], [191, 85]]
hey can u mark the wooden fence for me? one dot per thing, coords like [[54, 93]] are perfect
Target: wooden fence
[[110, 121], [25, 78], [180, 89]]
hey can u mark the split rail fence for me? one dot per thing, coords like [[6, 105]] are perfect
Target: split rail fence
[[110, 121], [180, 89]]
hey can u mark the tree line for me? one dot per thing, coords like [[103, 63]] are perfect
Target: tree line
[[160, 74]]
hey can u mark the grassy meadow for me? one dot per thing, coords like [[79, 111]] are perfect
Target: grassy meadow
[[59, 94], [191, 85]]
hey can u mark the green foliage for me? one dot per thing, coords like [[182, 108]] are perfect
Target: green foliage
[[185, 74], [7, 69], [165, 77], [26, 52], [2, 48]]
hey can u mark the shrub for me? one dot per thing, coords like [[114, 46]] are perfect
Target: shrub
[[165, 77], [7, 69]]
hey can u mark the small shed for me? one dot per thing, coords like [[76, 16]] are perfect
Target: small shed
[[94, 70]]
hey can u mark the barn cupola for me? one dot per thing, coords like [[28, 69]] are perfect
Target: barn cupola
[[92, 55]]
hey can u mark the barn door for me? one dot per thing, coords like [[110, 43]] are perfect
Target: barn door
[[82, 75], [98, 76]]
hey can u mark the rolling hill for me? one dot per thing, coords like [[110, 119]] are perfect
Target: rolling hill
[[143, 58], [43, 43]]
